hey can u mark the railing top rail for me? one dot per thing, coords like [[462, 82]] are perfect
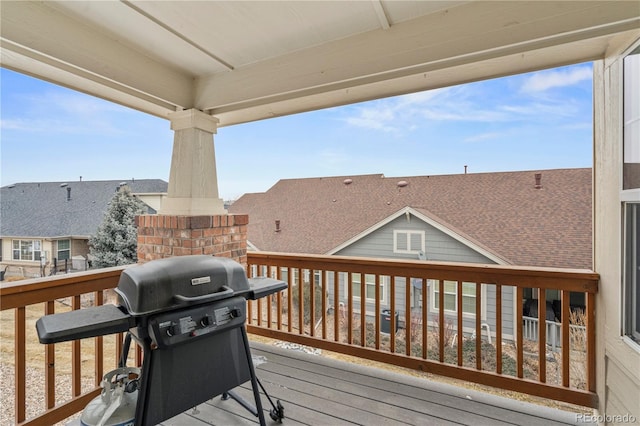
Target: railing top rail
[[37, 290], [520, 276]]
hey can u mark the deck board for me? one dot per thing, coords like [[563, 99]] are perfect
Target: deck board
[[317, 390]]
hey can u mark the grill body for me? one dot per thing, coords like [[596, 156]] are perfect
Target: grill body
[[188, 313]]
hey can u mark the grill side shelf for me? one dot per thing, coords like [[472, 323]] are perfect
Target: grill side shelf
[[83, 323], [260, 287]]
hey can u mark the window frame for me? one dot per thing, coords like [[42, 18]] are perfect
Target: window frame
[[434, 290], [384, 287], [631, 272], [20, 251], [68, 250], [630, 205], [408, 233]]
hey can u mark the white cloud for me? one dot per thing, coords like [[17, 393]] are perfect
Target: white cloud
[[483, 137], [545, 80]]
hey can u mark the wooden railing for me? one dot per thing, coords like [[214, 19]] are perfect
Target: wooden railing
[[417, 338], [421, 336], [42, 295]]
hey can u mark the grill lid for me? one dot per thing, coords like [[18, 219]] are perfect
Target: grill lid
[[165, 284]]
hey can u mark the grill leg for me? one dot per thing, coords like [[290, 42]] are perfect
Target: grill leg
[[254, 379]]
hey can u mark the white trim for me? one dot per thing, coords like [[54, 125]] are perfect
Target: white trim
[[431, 288], [384, 288], [408, 233]]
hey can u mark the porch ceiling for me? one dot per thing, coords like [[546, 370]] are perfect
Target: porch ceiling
[[249, 60]]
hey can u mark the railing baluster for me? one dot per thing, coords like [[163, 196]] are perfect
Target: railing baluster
[[312, 302], [76, 360], [119, 346], [301, 301], [249, 302], [324, 275], [290, 301], [460, 321], [20, 364], [377, 312], [498, 329], [566, 348], [542, 335], [50, 365], [441, 320], [363, 310], [478, 326], [349, 309], [336, 306], [591, 341], [269, 309], [425, 319], [98, 346], [518, 328], [392, 325], [139, 355], [279, 301], [407, 314]]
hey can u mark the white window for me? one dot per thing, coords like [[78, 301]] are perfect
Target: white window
[[27, 249], [630, 194], [370, 287], [451, 297], [632, 271], [64, 249], [408, 241]]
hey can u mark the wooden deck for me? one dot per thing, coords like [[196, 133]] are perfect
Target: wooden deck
[[317, 390]]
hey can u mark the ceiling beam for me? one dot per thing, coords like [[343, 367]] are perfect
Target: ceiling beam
[[44, 34], [382, 16], [450, 38]]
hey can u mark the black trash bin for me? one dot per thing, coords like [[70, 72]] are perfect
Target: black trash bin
[[385, 321]]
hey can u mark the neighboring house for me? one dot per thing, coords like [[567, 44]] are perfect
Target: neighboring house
[[46, 226], [511, 218]]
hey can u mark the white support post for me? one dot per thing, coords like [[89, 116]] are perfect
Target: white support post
[[193, 182]]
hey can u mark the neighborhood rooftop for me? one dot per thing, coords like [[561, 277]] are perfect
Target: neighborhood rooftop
[[57, 209], [533, 218]]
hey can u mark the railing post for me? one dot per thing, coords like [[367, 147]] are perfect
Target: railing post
[[20, 364]]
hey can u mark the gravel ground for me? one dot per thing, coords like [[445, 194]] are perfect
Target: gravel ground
[[35, 403]]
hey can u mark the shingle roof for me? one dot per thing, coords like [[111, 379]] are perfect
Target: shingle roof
[[41, 209], [503, 212]]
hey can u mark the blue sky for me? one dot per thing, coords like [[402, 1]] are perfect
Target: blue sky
[[535, 121]]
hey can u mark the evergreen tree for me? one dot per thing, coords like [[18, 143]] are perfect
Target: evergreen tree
[[116, 241]]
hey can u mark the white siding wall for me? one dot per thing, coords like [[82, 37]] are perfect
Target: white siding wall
[[618, 360]]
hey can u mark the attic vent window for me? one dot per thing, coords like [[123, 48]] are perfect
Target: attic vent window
[[402, 184], [347, 181]]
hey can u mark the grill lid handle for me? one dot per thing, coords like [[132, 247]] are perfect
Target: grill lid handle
[[223, 293]]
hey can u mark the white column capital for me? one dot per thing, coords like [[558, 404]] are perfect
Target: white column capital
[[193, 119]]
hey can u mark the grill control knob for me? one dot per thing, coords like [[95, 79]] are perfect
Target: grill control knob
[[173, 330], [207, 320], [235, 312]]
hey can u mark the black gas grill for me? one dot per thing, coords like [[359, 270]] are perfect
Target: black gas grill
[[188, 314]]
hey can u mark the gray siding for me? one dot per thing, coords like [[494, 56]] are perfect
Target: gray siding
[[438, 247]]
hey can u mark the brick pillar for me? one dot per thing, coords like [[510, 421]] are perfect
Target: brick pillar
[[221, 235]]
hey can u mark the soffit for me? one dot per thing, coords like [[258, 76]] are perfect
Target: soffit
[[249, 60]]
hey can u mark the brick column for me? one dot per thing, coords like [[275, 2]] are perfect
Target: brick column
[[162, 236]]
